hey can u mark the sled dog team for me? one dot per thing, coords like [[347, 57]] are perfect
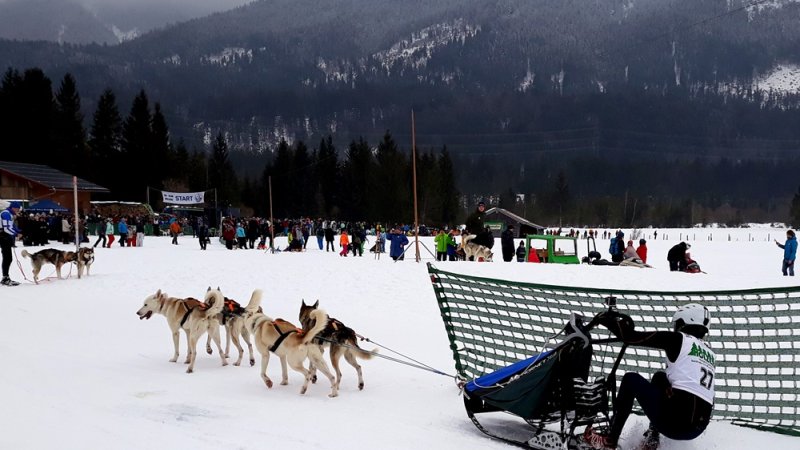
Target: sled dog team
[[292, 345], [84, 258]]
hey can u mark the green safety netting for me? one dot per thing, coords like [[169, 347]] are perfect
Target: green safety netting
[[755, 334]]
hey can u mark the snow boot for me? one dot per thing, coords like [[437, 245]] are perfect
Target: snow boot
[[9, 282], [596, 440], [651, 439]]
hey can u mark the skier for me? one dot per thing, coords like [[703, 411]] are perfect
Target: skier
[[678, 402]]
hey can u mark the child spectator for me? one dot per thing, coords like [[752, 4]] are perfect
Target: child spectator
[[641, 250], [521, 252]]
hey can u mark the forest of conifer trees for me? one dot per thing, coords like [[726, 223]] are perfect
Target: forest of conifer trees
[[548, 182]]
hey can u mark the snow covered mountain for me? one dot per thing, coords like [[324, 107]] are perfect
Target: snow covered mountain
[[307, 68], [100, 21]]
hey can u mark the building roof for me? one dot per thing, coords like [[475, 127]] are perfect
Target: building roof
[[512, 216], [47, 176]]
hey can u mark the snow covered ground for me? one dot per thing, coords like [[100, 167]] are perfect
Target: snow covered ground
[[80, 371]]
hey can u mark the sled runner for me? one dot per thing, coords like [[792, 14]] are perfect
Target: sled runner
[[550, 391]]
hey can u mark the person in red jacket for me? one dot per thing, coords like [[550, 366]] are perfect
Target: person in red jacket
[[641, 250]]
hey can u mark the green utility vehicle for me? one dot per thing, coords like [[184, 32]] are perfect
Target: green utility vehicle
[[552, 249]]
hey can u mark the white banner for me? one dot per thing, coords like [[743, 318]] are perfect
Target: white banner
[[185, 198]]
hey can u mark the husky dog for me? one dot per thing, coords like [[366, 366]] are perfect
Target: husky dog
[[293, 344], [232, 317], [85, 259], [341, 339], [192, 316], [475, 250], [52, 256]]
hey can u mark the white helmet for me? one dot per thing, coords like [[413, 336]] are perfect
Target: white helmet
[[691, 314]]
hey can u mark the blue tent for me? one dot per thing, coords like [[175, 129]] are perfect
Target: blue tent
[[46, 206]]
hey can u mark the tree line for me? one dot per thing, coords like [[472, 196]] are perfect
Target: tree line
[[131, 155], [586, 176]]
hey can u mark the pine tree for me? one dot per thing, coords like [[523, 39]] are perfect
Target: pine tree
[[391, 199], [280, 170], [220, 173], [161, 155], [33, 132], [11, 103], [794, 209], [356, 171], [136, 139], [561, 195], [300, 177], [106, 140], [447, 189], [327, 173], [70, 135]]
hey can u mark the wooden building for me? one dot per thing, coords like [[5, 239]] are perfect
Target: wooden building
[[32, 182], [497, 219]]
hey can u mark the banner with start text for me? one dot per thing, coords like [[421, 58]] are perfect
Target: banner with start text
[[183, 198]]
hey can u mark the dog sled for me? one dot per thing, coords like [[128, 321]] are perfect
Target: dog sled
[[552, 392]]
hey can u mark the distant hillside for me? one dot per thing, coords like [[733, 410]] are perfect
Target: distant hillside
[[300, 69], [49, 20]]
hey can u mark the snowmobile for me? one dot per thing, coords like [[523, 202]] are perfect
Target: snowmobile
[[551, 391]]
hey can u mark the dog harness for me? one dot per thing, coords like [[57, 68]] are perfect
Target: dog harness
[[282, 336], [189, 311], [232, 308]]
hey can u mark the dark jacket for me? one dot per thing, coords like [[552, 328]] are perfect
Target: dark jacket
[[475, 223], [521, 253], [507, 245], [677, 253]]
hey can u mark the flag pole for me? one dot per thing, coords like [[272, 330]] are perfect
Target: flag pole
[[414, 172], [271, 219], [77, 217]]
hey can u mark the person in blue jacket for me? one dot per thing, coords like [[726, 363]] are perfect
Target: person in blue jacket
[[399, 241], [8, 234], [122, 229], [789, 253]]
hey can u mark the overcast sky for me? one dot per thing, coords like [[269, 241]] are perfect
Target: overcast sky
[[218, 5]]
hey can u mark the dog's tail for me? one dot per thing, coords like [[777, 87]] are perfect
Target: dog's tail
[[320, 318], [255, 301], [217, 301], [25, 253], [360, 352]]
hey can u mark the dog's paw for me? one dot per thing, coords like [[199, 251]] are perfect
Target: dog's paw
[[224, 363], [173, 360], [268, 382], [314, 379], [303, 390], [189, 370], [237, 364], [209, 351], [252, 362], [360, 386], [284, 382], [333, 394]]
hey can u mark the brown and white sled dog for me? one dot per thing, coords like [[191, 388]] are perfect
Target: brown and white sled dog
[[85, 259], [232, 317], [475, 250], [52, 256], [192, 316], [293, 344], [342, 341]]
